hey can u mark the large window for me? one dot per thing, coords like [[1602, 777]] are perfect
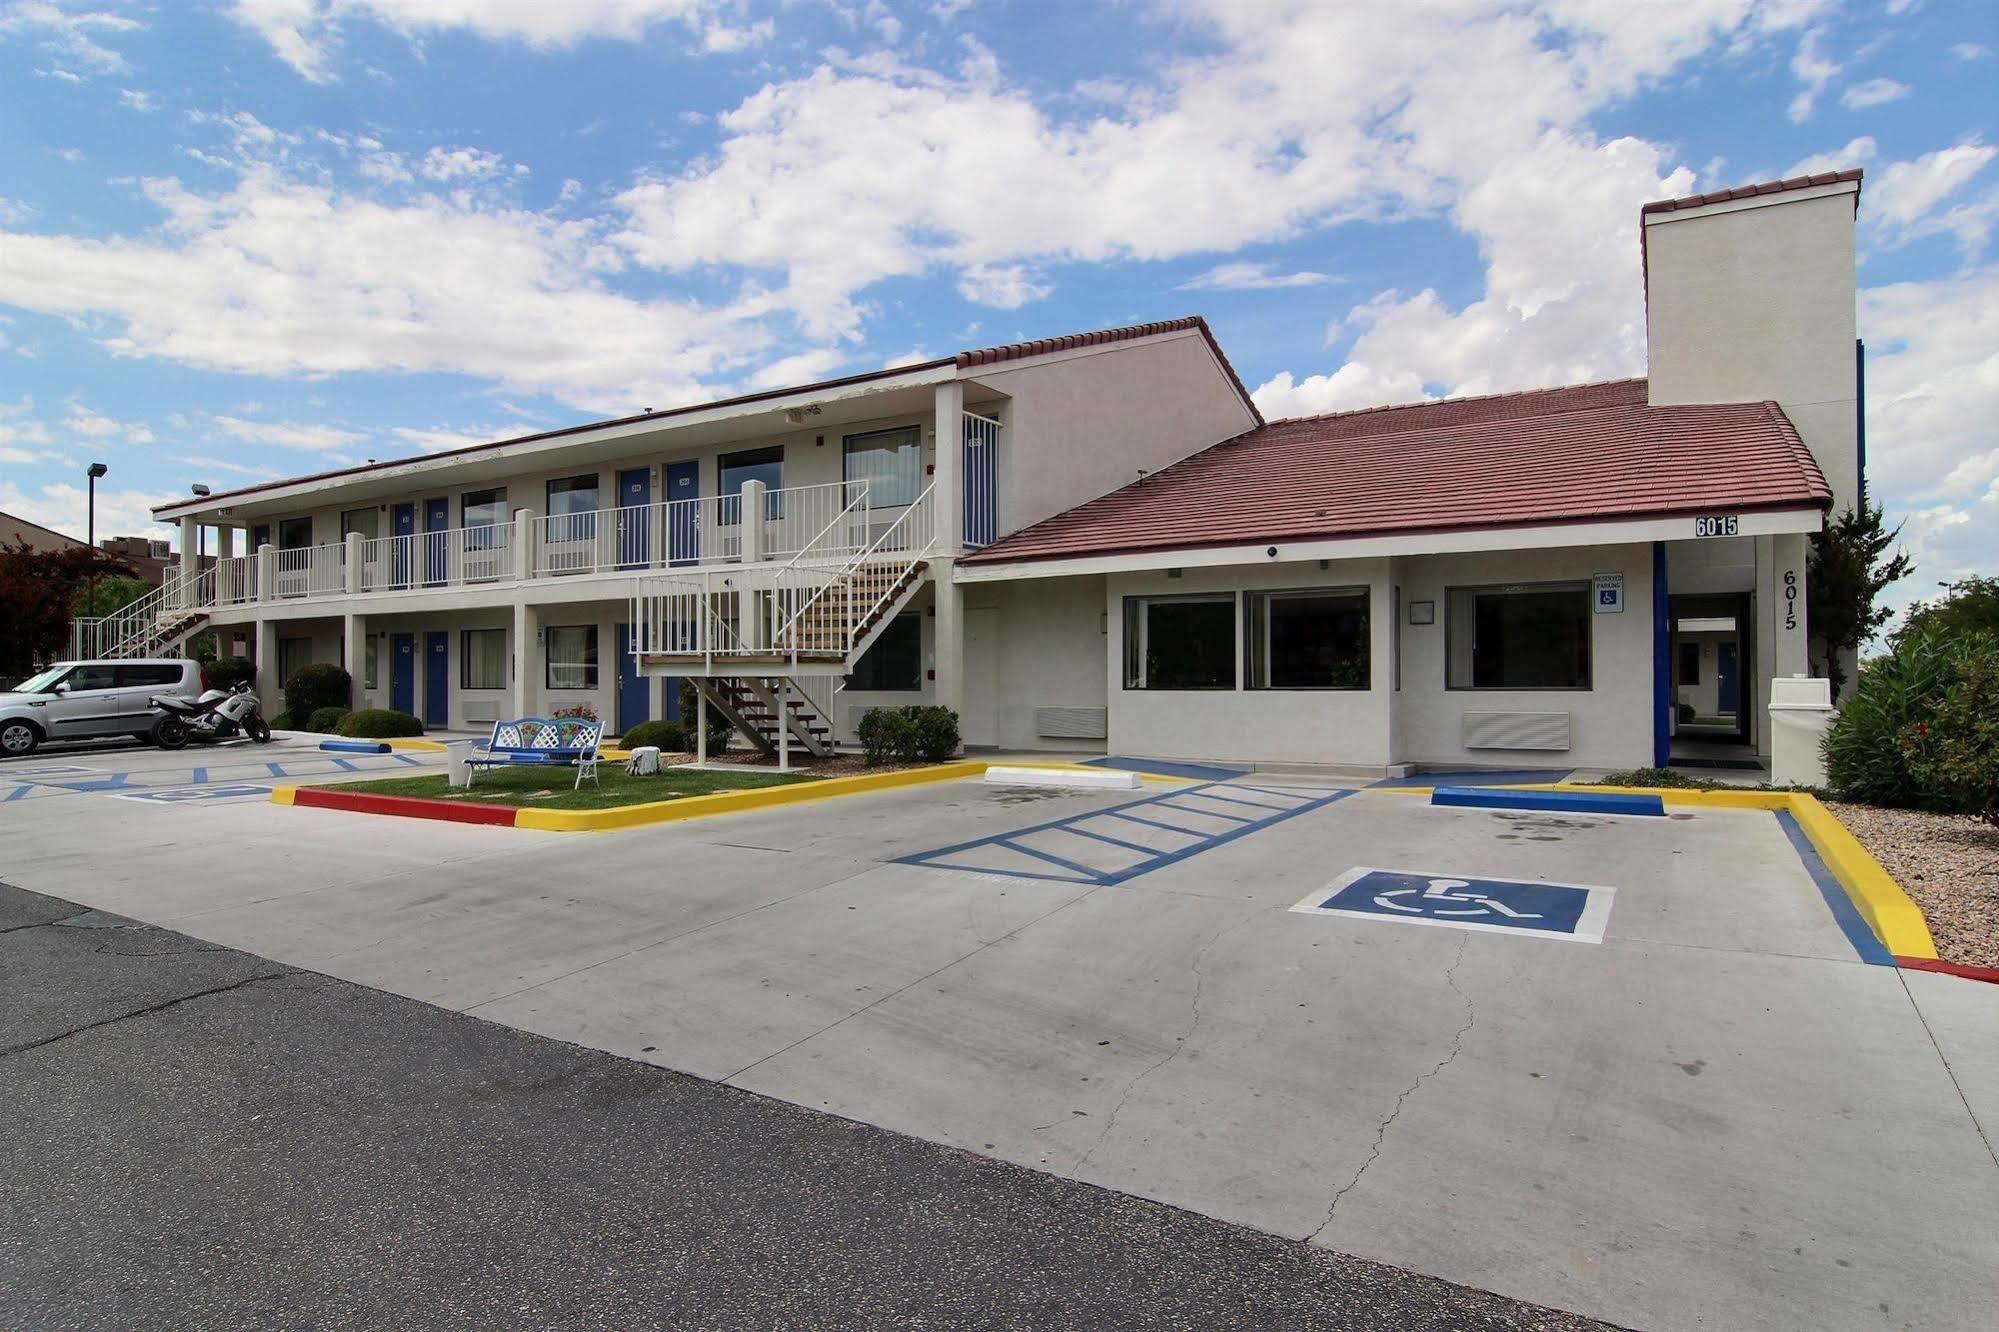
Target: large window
[[292, 654], [1690, 663], [1308, 638], [482, 659], [486, 510], [371, 655], [368, 522], [572, 505], [294, 533], [1185, 642], [734, 470], [890, 461], [1534, 636], [894, 661], [572, 656]]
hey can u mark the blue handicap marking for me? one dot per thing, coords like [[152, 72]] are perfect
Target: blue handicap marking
[[1511, 906], [180, 795]]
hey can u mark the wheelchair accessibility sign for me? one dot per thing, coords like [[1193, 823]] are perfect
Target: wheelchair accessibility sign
[[1502, 906]]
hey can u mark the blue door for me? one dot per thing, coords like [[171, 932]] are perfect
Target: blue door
[[402, 672], [437, 678], [1725, 697], [436, 518], [634, 690], [402, 526], [683, 482], [260, 535], [635, 523]]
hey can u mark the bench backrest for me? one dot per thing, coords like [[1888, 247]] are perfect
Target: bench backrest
[[544, 735]]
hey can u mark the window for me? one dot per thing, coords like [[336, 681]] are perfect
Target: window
[[294, 533], [91, 677], [893, 662], [483, 509], [1690, 663], [1535, 636], [482, 659], [1310, 638], [734, 469], [572, 657], [368, 522], [1180, 642], [148, 677], [369, 657], [890, 461], [292, 654], [572, 504]]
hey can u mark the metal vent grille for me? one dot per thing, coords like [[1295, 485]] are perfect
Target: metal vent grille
[[1072, 723], [1516, 730], [481, 710]]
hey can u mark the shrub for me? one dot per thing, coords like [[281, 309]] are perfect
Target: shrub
[[319, 685], [669, 736], [379, 724], [579, 710], [719, 729], [228, 672], [887, 735], [936, 733], [1954, 755], [326, 721], [1865, 758]]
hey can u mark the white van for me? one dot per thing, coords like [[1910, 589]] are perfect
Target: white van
[[82, 700]]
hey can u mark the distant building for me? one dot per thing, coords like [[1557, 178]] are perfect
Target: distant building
[[14, 531]]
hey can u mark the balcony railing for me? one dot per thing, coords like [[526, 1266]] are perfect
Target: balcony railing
[[679, 533], [454, 557]]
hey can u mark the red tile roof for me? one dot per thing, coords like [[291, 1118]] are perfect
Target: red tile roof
[[1042, 346], [1751, 191], [1584, 453]]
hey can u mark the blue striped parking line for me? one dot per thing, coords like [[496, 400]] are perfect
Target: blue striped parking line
[[1157, 813]]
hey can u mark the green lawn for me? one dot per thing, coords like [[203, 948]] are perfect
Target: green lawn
[[549, 788]]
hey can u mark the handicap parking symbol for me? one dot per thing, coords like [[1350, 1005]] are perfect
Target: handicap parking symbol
[[183, 794], [1507, 906]]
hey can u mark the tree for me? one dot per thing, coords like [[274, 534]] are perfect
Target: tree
[[1972, 607], [37, 590], [1844, 577], [109, 596]]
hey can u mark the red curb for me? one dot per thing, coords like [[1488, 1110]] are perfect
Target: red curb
[[408, 807], [1937, 964]]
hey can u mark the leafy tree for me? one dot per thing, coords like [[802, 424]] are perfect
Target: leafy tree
[[1955, 752], [1971, 608], [109, 596], [1844, 577], [37, 590]]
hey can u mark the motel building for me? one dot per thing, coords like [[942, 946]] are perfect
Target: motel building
[[1095, 543]]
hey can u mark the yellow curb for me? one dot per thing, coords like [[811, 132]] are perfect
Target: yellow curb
[[426, 746], [282, 795], [735, 802], [1896, 919]]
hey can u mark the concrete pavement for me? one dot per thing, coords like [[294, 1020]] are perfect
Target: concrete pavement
[[1718, 1117]]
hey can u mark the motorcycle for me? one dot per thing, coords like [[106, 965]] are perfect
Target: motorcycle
[[216, 716]]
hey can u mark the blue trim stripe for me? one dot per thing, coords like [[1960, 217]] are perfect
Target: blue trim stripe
[[1139, 847], [1858, 933], [1182, 829], [1575, 802], [1200, 813], [16, 794], [1022, 848]]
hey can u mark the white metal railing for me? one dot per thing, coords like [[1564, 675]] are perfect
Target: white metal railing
[[980, 476], [677, 533], [137, 627], [311, 571], [235, 580], [453, 557], [830, 620]]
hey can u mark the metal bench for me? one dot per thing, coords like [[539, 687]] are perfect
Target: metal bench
[[541, 742]]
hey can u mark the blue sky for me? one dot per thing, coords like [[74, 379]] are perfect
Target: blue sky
[[252, 238]]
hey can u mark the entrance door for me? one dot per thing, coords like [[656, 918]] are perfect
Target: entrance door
[[436, 678], [402, 526], [981, 724], [1727, 685], [683, 482], [260, 535], [635, 518], [634, 690], [402, 672], [436, 518]]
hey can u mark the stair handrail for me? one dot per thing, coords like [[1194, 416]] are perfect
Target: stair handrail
[[136, 622], [786, 575], [920, 505]]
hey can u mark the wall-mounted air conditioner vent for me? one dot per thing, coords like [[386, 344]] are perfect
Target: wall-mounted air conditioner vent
[[1060, 723], [1516, 730]]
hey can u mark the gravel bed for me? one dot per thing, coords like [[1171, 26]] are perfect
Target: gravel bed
[[1949, 863], [838, 765]]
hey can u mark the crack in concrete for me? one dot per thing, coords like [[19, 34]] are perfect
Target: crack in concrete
[[25, 1046], [1179, 1042], [42, 924], [1381, 1132]]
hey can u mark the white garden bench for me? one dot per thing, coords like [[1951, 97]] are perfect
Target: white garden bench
[[542, 742]]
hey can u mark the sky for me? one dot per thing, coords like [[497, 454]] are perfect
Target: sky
[[244, 239]]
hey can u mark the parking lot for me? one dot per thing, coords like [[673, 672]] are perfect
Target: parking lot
[[1680, 1100]]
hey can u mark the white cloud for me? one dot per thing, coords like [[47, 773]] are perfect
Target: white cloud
[[1874, 92], [1814, 69], [95, 425], [463, 164], [63, 507], [207, 464], [1971, 51], [1906, 200], [306, 33], [138, 100], [1858, 152], [1245, 276], [437, 438], [68, 32], [1002, 286], [287, 434]]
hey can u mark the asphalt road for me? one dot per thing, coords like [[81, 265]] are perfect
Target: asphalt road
[[196, 1137]]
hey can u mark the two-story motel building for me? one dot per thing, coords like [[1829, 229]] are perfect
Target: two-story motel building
[[1096, 543]]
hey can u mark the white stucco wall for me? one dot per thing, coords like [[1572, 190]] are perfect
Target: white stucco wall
[[1032, 645]]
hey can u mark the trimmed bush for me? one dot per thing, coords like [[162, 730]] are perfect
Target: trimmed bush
[[228, 672], [887, 735], [936, 733], [1865, 757], [668, 736], [719, 729], [319, 685], [379, 724], [326, 721]]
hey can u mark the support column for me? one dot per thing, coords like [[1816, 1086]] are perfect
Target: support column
[[267, 573], [354, 567], [948, 655], [783, 726], [225, 543], [1790, 655], [525, 688], [265, 652], [523, 547], [190, 537], [947, 481], [354, 651]]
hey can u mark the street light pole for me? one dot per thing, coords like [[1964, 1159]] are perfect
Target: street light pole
[[91, 474]]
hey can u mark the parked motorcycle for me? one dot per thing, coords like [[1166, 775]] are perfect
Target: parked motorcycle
[[217, 715]]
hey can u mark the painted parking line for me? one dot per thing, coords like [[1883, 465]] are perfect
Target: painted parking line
[[1572, 911], [257, 774], [186, 794], [1110, 846]]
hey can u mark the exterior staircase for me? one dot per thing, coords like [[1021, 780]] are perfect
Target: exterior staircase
[[751, 705], [156, 625]]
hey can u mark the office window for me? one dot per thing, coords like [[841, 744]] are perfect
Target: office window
[[294, 533], [1690, 663], [572, 504], [733, 470], [292, 654], [893, 662], [890, 461], [1185, 642], [483, 509], [1308, 638], [368, 522], [1535, 636], [572, 656], [482, 659]]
